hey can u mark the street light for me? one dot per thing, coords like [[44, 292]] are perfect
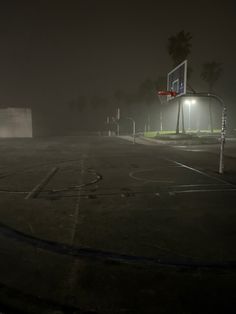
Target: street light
[[189, 102], [223, 119]]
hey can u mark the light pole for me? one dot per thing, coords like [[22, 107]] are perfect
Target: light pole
[[223, 119], [161, 121], [189, 103], [223, 125]]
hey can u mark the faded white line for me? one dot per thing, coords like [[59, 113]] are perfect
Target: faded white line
[[38, 188], [132, 174], [200, 172], [72, 277], [198, 185], [31, 230], [76, 216], [13, 192], [172, 193], [77, 206]]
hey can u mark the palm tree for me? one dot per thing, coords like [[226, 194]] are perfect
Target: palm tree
[[179, 47], [211, 72]]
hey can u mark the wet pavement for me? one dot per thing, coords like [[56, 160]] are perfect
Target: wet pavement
[[99, 225]]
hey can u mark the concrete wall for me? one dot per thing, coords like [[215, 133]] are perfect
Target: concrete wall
[[15, 122]]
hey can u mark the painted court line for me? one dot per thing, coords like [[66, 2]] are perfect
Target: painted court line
[[200, 191], [133, 175], [200, 185], [38, 188], [77, 205], [201, 172]]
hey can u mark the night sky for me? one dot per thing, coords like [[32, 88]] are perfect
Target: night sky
[[53, 51]]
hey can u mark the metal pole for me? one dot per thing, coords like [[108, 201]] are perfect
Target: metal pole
[[222, 142], [223, 132], [117, 124], [133, 131], [149, 122], [210, 116], [161, 118], [109, 126], [223, 124], [182, 112], [177, 125], [189, 116]]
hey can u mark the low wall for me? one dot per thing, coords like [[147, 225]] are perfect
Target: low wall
[[15, 122]]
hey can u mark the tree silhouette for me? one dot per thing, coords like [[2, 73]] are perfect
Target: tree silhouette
[[211, 72], [179, 47]]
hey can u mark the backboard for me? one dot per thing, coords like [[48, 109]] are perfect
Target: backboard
[[177, 80]]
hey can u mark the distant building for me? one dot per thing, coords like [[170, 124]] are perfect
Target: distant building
[[15, 122]]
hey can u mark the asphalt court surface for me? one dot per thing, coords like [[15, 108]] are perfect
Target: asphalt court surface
[[63, 199], [117, 183]]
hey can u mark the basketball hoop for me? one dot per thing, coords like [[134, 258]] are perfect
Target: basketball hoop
[[162, 95], [167, 93]]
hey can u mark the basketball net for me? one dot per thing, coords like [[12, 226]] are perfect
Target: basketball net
[[162, 95]]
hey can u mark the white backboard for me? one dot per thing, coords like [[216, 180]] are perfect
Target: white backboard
[[177, 80]]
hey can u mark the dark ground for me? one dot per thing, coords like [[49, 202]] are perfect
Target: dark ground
[[158, 225]]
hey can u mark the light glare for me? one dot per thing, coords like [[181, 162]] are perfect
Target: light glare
[[190, 102]]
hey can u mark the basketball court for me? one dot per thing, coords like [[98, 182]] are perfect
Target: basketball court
[[85, 218], [90, 216], [177, 90]]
